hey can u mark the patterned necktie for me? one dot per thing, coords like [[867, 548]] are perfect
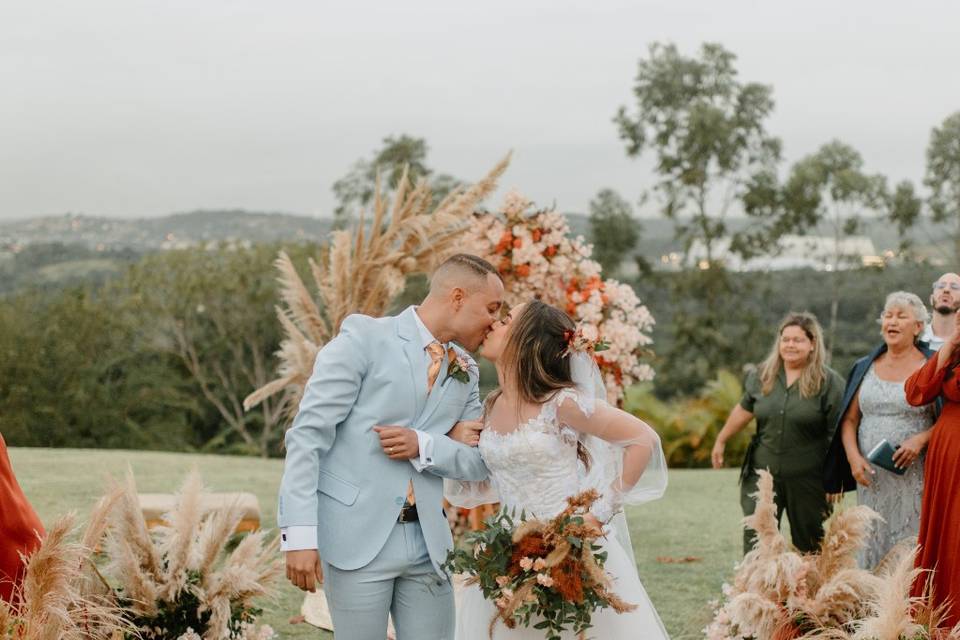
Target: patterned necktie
[[435, 349]]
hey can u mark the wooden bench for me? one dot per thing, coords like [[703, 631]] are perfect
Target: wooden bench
[[154, 506]]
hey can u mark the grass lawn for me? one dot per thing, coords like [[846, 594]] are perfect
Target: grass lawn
[[698, 518]]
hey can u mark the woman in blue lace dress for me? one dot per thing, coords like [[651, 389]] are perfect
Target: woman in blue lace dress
[[876, 409]]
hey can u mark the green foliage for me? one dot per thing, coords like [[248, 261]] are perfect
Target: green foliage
[[71, 375], [613, 230], [943, 175], [213, 310], [688, 427], [159, 357]]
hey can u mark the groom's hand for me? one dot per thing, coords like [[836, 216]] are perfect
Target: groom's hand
[[399, 443], [304, 569]]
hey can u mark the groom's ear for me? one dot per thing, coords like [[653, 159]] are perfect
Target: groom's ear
[[457, 297]]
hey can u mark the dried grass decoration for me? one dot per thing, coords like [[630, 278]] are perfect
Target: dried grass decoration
[[184, 580], [62, 596], [364, 270], [780, 594], [550, 573]]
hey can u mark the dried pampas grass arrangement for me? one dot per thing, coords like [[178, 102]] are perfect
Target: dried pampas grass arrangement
[[62, 597], [183, 581], [363, 271], [777, 593]]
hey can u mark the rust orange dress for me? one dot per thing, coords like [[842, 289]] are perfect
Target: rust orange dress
[[19, 527], [939, 536]]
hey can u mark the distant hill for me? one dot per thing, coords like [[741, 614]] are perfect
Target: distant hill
[[199, 228], [172, 231]]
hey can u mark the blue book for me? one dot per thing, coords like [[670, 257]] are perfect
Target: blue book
[[882, 456]]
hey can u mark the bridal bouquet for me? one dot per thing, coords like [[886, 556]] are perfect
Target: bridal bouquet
[[548, 575]]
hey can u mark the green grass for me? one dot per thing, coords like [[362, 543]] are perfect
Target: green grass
[[698, 517]]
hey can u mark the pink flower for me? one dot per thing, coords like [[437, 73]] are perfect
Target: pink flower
[[526, 563], [503, 581], [539, 564], [544, 579]]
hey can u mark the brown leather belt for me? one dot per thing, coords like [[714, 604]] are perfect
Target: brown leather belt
[[408, 513]]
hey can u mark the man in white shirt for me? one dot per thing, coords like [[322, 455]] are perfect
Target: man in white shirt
[[945, 302]]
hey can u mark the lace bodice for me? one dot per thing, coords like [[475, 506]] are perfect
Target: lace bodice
[[535, 466]]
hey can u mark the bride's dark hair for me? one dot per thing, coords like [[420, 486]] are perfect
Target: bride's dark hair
[[534, 352], [534, 356]]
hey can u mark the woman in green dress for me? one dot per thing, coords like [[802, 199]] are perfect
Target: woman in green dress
[[795, 399]]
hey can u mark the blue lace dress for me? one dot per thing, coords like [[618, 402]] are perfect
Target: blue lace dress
[[886, 415]]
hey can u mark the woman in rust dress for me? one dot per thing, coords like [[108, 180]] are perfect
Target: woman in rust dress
[[20, 528], [939, 536]]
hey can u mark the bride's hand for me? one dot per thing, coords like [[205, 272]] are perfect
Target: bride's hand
[[466, 432]]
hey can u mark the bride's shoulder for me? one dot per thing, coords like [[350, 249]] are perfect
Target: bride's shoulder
[[562, 395], [572, 404], [564, 400]]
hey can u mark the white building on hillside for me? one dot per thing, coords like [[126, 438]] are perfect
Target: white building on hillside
[[821, 253]]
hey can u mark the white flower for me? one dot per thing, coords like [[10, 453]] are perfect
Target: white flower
[[544, 579]]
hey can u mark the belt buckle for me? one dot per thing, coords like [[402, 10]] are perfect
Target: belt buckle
[[402, 518]]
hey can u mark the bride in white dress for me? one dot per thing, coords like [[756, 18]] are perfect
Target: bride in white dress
[[549, 434]]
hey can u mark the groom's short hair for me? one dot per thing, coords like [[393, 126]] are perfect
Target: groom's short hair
[[458, 268]]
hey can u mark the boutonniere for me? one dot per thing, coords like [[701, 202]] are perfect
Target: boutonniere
[[459, 368]]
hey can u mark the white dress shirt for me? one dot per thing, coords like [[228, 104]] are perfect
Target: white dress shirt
[[930, 337], [300, 537]]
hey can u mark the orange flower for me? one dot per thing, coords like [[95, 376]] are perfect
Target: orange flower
[[506, 241], [550, 251], [523, 270], [537, 234], [612, 367], [517, 243], [505, 265], [531, 546], [567, 580]]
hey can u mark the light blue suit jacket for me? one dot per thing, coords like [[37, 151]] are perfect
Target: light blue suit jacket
[[337, 477]]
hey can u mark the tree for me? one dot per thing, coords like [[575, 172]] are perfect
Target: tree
[[356, 189], [214, 311], [943, 176], [706, 131], [830, 187], [613, 230], [72, 376]]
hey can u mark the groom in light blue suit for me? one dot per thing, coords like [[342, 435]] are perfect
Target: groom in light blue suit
[[361, 503]]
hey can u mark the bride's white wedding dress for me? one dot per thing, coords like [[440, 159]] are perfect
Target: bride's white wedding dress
[[535, 468]]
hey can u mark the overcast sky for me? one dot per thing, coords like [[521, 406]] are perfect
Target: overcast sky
[[132, 108]]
